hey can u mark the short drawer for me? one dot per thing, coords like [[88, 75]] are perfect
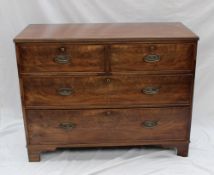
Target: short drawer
[[85, 91], [152, 57], [61, 58], [107, 125]]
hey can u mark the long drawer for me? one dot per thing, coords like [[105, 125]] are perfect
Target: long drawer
[[152, 57], [61, 57], [107, 125], [80, 91]]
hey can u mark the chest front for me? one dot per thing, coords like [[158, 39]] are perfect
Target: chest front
[[97, 87]]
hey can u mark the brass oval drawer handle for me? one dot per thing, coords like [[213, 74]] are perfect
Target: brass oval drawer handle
[[65, 91], [150, 90], [62, 59], [150, 124], [67, 126], [152, 58]]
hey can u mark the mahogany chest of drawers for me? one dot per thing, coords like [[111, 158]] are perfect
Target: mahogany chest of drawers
[[90, 85]]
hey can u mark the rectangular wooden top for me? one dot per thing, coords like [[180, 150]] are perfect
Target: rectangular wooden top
[[105, 31]]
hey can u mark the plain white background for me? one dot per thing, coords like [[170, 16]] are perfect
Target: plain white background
[[196, 14]]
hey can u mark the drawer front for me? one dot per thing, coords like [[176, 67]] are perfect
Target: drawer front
[[114, 90], [107, 126], [65, 91], [62, 58], [152, 57], [150, 90]]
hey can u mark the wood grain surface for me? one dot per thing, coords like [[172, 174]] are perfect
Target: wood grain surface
[[105, 31], [107, 91], [106, 125], [81, 58], [131, 57]]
